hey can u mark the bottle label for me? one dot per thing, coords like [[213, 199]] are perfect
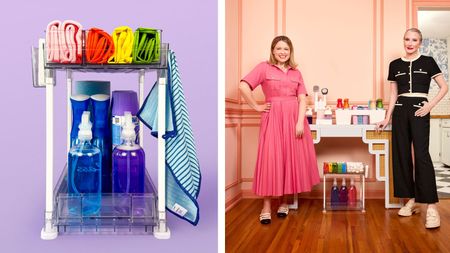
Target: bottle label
[[116, 129]]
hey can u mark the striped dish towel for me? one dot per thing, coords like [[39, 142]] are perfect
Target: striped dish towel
[[183, 175]]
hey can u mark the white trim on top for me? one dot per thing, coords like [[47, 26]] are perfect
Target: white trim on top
[[411, 60]]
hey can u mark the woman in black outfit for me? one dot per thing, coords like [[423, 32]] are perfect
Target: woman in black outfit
[[410, 78]]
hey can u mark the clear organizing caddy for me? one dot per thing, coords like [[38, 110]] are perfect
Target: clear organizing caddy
[[360, 174], [142, 213]]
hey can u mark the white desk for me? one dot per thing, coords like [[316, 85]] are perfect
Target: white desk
[[330, 131]]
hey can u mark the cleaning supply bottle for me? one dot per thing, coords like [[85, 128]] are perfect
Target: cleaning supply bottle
[[128, 170], [80, 103], [122, 101], [343, 193], [102, 136], [352, 193], [334, 193], [85, 172]]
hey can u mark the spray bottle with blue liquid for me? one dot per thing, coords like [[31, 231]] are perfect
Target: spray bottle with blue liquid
[[85, 172]]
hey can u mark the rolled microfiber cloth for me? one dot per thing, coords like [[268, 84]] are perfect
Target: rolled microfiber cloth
[[52, 41], [123, 39], [99, 46], [70, 43], [146, 45]]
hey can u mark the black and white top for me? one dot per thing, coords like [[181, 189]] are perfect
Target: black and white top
[[413, 75]]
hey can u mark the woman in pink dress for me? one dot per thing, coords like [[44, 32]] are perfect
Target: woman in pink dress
[[286, 162]]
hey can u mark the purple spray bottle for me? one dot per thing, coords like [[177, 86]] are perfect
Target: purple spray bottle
[[128, 170]]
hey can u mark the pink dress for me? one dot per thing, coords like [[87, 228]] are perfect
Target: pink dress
[[285, 164]]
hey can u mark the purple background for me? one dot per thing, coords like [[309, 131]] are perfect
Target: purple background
[[191, 29]]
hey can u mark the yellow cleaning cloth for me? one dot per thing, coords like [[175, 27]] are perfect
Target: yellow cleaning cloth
[[123, 39]]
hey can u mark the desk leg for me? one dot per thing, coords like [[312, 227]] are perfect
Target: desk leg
[[324, 210], [295, 204]]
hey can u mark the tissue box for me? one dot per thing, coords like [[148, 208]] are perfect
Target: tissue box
[[343, 117]]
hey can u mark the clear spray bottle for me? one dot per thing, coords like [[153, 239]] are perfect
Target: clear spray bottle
[[85, 171], [128, 161]]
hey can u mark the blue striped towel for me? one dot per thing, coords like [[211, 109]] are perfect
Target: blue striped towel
[[182, 167]]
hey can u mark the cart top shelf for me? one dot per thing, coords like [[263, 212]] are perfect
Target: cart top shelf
[[134, 67]]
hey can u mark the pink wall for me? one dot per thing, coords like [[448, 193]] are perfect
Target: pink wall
[[345, 46]]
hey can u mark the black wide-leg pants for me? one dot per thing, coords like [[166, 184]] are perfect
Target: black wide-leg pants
[[407, 129]]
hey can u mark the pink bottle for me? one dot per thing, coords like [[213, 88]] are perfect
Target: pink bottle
[[352, 194]]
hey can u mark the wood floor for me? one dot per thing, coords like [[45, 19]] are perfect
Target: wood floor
[[309, 230]]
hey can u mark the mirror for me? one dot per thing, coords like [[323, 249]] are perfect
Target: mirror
[[435, 27]]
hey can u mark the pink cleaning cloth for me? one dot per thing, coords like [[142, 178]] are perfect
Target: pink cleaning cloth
[[70, 43], [52, 41]]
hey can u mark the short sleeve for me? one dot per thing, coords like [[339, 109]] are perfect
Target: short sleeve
[[256, 76], [391, 75], [434, 68], [301, 89]]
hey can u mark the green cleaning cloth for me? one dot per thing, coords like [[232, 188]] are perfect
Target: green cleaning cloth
[[146, 45]]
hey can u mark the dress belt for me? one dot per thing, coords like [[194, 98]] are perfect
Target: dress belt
[[414, 94]]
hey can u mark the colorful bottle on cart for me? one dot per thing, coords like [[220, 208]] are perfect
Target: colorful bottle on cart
[[85, 173], [352, 193], [343, 193], [128, 161], [80, 104], [334, 193], [102, 136], [122, 101]]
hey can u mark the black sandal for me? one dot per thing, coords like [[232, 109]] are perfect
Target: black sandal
[[265, 218], [282, 211]]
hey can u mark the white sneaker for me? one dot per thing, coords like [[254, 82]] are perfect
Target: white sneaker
[[433, 220], [408, 209]]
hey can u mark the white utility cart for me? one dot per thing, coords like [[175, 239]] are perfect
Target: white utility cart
[[125, 214]]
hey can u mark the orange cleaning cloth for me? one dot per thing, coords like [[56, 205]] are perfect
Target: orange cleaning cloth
[[99, 46]]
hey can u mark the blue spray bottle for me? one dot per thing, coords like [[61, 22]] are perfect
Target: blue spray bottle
[[80, 103], [85, 172], [102, 136]]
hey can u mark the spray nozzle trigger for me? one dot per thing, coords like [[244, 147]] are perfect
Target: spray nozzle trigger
[[85, 126], [128, 132]]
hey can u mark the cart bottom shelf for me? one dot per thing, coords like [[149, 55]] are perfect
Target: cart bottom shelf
[[357, 206], [114, 213]]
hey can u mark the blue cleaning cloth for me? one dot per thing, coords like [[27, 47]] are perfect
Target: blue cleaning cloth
[[183, 175]]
